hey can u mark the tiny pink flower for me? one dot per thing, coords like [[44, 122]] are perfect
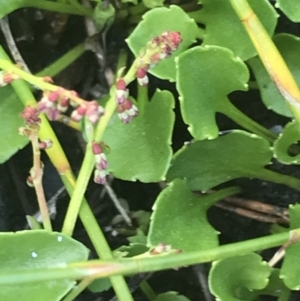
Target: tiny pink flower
[[121, 84], [101, 161], [53, 113], [100, 176]]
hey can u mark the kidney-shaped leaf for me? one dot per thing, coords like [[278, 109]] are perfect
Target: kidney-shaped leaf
[[154, 23], [229, 279], [290, 135], [289, 47], [291, 8], [170, 296], [141, 149], [206, 75], [10, 121], [38, 249], [208, 163], [290, 271], [223, 27], [179, 217]]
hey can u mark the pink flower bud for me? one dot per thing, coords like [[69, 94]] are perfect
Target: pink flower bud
[[121, 84], [45, 144], [29, 181], [96, 148]]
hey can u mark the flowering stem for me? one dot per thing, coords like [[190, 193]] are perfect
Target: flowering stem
[[131, 266], [37, 174], [38, 82], [60, 161]]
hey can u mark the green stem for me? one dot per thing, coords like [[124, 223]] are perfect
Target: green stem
[[58, 7], [219, 195], [99, 242], [147, 290], [63, 62], [155, 263], [86, 170], [78, 289], [275, 177], [240, 118], [142, 98], [86, 214]]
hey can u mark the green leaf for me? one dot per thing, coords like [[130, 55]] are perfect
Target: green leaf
[[172, 18], [153, 3], [223, 27], [179, 216], [139, 238], [289, 136], [170, 296], [275, 286], [203, 88], [291, 8], [134, 249], [103, 16], [290, 271], [38, 249], [208, 163], [141, 149], [229, 279], [289, 47], [99, 285], [10, 121]]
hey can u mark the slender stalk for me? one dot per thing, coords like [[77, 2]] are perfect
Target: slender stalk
[[99, 242], [83, 284], [86, 170], [269, 55], [142, 98], [63, 62], [240, 118], [147, 290], [37, 175], [146, 264], [275, 177]]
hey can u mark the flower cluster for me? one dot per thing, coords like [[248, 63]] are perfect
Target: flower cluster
[[101, 163], [157, 49], [126, 109], [57, 102], [32, 119]]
